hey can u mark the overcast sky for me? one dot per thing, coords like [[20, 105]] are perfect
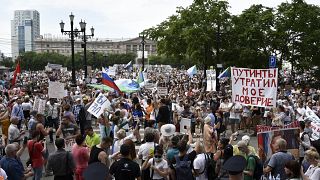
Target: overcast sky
[[110, 18]]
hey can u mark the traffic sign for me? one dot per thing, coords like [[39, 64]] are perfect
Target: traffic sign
[[272, 62]]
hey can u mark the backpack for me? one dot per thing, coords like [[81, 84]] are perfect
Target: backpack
[[258, 170], [183, 168], [210, 166]]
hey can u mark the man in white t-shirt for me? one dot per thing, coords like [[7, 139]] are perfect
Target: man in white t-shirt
[[199, 165]]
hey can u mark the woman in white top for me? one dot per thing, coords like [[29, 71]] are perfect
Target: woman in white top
[[158, 166], [313, 172]]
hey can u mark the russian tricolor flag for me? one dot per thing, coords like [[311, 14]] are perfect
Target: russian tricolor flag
[[106, 80]]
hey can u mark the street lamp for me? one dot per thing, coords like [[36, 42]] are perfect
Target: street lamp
[[218, 41], [72, 33], [84, 45], [141, 35]]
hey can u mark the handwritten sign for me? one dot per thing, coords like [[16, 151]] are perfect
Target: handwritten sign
[[185, 124], [56, 90], [98, 106], [68, 144], [254, 87], [162, 91]]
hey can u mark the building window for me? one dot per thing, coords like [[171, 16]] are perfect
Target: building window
[[48, 45], [134, 47]]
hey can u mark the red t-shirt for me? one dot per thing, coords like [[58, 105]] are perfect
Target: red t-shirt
[[36, 154], [80, 155]]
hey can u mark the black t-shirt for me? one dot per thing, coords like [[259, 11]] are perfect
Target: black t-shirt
[[94, 154], [125, 169], [163, 114]]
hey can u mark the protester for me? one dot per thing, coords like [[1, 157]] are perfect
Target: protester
[[313, 172], [125, 168], [81, 156], [98, 152], [278, 160], [13, 165], [91, 138], [36, 151], [61, 162], [15, 135]]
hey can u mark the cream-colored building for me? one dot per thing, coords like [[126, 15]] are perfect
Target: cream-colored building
[[62, 46]]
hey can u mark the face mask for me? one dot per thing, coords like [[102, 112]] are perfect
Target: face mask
[[157, 159]]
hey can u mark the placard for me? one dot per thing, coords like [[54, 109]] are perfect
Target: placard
[[162, 91], [98, 106], [42, 106], [69, 143], [267, 139], [211, 80], [56, 90], [315, 123], [254, 87], [185, 124], [112, 71]]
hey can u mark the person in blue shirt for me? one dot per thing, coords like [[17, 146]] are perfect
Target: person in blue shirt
[[17, 111], [12, 165]]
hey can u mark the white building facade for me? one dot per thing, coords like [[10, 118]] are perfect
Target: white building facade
[[106, 46]]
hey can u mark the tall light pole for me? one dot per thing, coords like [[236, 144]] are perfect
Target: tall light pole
[[142, 43], [72, 33], [84, 45]]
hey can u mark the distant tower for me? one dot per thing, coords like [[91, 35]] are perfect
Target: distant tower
[[25, 27]]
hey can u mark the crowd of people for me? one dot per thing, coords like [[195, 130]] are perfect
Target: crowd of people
[[140, 135]]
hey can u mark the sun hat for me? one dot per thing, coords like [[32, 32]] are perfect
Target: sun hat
[[168, 130]]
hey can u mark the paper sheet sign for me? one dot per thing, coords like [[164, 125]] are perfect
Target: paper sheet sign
[[98, 106], [254, 87], [185, 124], [56, 90], [162, 91]]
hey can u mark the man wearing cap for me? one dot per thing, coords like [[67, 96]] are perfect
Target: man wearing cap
[[235, 166], [251, 161], [79, 114], [125, 168], [17, 111]]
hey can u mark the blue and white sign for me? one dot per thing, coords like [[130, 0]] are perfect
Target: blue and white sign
[[272, 62]]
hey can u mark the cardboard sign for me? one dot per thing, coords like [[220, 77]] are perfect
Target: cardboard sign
[[68, 144], [56, 90], [42, 106], [162, 91], [254, 87], [98, 106], [185, 124]]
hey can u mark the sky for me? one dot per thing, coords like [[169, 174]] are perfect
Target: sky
[[110, 18]]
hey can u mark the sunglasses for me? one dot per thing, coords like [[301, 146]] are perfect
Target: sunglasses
[[157, 156]]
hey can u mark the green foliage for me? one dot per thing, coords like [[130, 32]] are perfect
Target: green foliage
[[199, 34]]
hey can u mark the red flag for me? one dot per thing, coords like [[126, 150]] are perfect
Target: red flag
[[18, 70]]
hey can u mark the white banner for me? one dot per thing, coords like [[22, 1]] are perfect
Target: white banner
[[162, 91], [185, 124], [254, 87], [112, 71], [211, 80], [98, 106], [69, 143], [315, 124], [56, 90]]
